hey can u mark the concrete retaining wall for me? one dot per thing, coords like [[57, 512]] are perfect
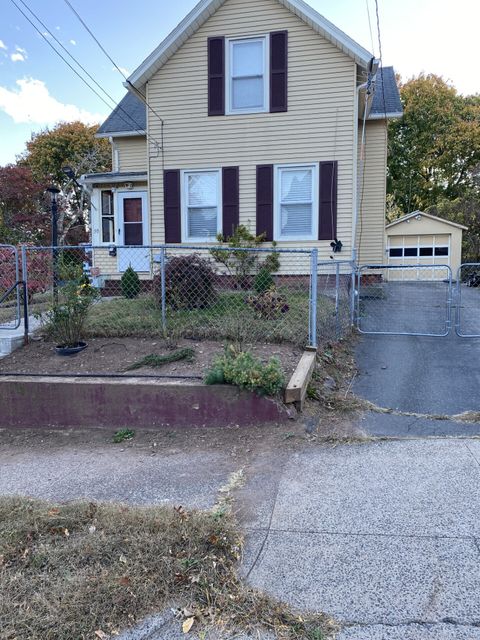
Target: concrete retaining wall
[[27, 402]]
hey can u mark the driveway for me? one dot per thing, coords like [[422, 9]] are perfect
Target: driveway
[[429, 375], [383, 536]]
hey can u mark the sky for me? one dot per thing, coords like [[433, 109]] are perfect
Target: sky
[[37, 89]]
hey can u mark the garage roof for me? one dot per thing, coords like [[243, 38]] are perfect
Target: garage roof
[[414, 214]]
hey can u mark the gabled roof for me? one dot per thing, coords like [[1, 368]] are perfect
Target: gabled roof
[[386, 100], [206, 8], [129, 118], [414, 214]]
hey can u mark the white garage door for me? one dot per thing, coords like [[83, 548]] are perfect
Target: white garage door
[[424, 250]]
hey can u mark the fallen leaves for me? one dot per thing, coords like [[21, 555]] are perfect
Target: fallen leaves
[[187, 625]]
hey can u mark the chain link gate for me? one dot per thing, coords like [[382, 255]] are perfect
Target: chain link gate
[[467, 322], [10, 286], [412, 300]]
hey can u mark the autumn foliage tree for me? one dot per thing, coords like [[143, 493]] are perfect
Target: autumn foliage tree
[[70, 144], [24, 213], [434, 150]]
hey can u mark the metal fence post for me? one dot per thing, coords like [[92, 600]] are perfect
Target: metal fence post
[[353, 291], [25, 294], [337, 299], [313, 297], [162, 286]]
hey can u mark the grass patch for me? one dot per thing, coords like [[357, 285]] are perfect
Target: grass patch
[[229, 318], [72, 570], [155, 361], [122, 435]]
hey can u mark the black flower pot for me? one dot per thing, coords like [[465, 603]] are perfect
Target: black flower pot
[[62, 350]]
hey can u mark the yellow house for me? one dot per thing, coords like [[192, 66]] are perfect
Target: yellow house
[[254, 112], [422, 239]]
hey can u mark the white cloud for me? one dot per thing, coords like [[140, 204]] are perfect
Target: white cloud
[[32, 103], [125, 72], [2, 45], [74, 42], [20, 55]]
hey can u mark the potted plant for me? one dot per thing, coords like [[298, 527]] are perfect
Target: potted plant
[[65, 321]]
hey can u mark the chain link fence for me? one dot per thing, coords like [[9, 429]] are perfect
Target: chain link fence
[[404, 300], [212, 293], [336, 297], [468, 301], [9, 289]]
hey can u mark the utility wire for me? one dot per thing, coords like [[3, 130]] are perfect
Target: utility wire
[[370, 26], [119, 69], [130, 120], [52, 35]]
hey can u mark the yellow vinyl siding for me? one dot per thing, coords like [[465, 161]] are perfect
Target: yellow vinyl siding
[[372, 193], [319, 124], [132, 153]]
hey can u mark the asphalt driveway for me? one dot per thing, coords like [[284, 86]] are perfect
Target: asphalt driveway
[[430, 375]]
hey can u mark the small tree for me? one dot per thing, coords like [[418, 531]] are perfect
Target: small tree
[[130, 283], [241, 263]]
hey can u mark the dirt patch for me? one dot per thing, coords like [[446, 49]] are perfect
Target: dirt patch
[[114, 356]]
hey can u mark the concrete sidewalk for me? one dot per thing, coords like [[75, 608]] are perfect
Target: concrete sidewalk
[[384, 537]]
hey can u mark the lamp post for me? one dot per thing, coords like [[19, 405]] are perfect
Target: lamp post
[[54, 191]]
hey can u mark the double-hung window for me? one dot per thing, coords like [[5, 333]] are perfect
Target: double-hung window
[[247, 88], [296, 202], [201, 204], [107, 217]]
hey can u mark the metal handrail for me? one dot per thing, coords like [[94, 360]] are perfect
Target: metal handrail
[[23, 284]]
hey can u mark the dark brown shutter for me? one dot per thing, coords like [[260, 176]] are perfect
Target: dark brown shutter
[[278, 71], [216, 76], [230, 200], [327, 223], [265, 201], [172, 206]]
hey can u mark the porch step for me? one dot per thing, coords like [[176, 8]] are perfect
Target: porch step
[[9, 344], [11, 339]]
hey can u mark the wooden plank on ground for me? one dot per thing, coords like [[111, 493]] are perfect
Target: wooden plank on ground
[[297, 387]]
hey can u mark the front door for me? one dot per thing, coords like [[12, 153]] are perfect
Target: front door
[[133, 233]]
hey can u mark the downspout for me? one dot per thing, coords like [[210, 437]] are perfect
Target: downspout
[[372, 71]]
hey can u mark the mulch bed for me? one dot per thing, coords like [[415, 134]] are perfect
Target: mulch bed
[[115, 355]]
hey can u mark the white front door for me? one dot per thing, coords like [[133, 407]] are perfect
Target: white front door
[[133, 232]]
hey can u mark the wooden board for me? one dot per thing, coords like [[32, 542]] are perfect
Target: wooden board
[[297, 387]]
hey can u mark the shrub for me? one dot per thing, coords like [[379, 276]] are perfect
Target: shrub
[[65, 321], [189, 283], [269, 305], [241, 265], [243, 369], [263, 281], [130, 283]]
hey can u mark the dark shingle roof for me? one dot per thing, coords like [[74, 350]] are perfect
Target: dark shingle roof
[[129, 115], [386, 84]]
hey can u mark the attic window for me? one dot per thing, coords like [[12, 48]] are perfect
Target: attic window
[[247, 88]]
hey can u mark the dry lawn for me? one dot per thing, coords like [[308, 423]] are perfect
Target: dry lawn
[[84, 570]]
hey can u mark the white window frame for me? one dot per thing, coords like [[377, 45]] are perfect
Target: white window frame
[[101, 216], [230, 42], [277, 221], [184, 205]]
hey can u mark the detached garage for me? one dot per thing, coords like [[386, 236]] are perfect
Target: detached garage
[[422, 239]]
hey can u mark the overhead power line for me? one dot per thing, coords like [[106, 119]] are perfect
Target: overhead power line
[[139, 129], [117, 67], [380, 53]]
